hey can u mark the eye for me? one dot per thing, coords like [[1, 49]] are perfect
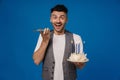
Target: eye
[[54, 17], [62, 17]]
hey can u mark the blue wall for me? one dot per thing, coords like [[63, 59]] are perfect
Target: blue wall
[[97, 21]]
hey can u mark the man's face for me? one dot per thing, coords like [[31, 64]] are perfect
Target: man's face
[[58, 20]]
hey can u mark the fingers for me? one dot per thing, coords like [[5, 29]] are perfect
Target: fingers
[[46, 31], [79, 63]]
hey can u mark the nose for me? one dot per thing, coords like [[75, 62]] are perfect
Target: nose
[[58, 20]]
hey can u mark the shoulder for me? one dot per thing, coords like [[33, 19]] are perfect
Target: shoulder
[[76, 35], [77, 38]]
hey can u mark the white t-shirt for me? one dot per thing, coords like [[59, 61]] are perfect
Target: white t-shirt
[[58, 50]]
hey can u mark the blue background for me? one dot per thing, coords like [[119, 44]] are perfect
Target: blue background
[[97, 21]]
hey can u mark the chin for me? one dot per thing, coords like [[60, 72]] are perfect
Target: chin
[[61, 30], [58, 30]]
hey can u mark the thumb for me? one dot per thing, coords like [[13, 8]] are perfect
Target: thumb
[[41, 32]]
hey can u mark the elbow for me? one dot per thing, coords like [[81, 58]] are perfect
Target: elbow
[[36, 61]]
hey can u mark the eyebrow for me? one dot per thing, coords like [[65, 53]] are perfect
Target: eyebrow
[[56, 15]]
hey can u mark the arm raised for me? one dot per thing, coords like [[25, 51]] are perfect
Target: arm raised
[[40, 52]]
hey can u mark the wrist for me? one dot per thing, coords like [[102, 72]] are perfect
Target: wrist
[[45, 42]]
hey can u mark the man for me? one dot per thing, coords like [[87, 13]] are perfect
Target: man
[[54, 48]]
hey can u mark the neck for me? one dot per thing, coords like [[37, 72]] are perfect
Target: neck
[[59, 33]]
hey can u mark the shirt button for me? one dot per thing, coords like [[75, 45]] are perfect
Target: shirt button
[[51, 78], [53, 67], [53, 62], [52, 72]]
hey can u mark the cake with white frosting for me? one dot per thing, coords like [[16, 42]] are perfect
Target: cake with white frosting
[[78, 57]]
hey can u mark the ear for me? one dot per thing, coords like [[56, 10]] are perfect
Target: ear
[[66, 20], [50, 19]]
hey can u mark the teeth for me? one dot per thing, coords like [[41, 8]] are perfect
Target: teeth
[[58, 24]]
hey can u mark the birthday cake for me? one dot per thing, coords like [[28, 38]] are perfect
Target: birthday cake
[[78, 57]]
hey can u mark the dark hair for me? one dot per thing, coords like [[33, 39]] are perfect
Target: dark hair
[[60, 8]]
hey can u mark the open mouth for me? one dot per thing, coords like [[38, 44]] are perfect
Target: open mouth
[[58, 24]]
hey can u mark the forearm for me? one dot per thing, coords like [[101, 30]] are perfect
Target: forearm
[[39, 54]]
